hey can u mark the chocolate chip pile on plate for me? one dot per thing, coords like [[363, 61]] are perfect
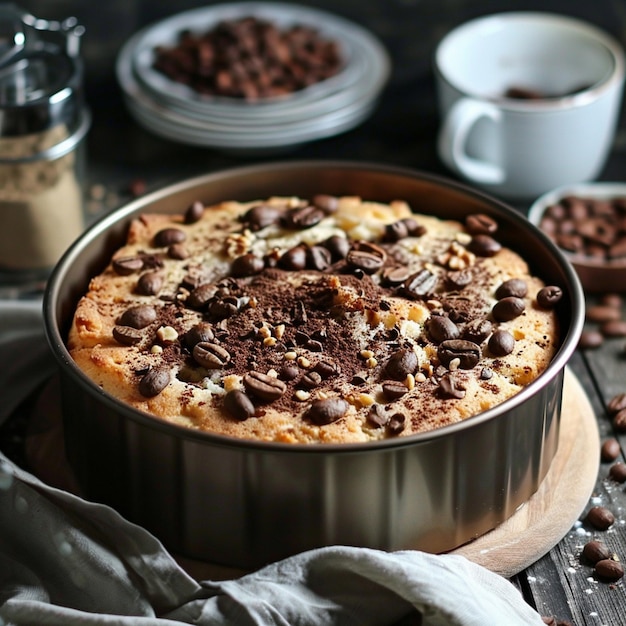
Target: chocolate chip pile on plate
[[249, 58]]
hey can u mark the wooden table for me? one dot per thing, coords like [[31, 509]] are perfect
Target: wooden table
[[124, 160]]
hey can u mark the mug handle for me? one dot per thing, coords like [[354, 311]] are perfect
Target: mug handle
[[453, 139]]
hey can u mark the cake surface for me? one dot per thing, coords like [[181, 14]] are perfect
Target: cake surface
[[322, 320]]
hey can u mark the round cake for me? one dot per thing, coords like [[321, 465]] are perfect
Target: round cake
[[319, 320]]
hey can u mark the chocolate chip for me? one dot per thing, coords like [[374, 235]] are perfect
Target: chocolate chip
[[484, 246], [338, 247], [154, 382], [477, 330], [261, 216], [396, 424], [609, 570], [124, 266], [419, 285], [594, 551], [458, 280], [480, 224], [168, 236], [393, 390], [600, 517], [201, 332], [247, 265], [610, 449], [318, 258], [617, 403], [548, 297], [149, 284], [264, 386], [376, 416], [138, 316], [501, 343], [294, 259], [127, 335], [441, 328], [401, 364], [327, 204], [467, 353], [366, 256], [590, 339], [515, 287], [617, 472], [327, 410], [301, 218], [238, 405], [508, 309], [449, 389], [194, 212], [210, 355]]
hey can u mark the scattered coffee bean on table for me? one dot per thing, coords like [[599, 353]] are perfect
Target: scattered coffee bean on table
[[609, 570], [594, 551], [600, 517], [617, 472], [610, 449], [590, 339]]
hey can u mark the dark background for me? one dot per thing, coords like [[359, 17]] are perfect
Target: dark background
[[402, 130]]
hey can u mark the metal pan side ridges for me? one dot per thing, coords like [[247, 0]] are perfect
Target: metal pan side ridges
[[244, 503]]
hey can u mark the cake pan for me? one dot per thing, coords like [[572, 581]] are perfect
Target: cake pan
[[244, 503]]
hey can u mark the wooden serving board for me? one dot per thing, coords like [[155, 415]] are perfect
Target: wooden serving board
[[533, 530]]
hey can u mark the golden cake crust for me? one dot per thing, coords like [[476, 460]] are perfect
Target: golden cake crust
[[331, 320]]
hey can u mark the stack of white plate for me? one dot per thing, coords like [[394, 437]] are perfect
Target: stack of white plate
[[176, 112]]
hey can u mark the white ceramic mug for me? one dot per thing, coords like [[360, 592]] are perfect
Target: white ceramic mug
[[524, 147]]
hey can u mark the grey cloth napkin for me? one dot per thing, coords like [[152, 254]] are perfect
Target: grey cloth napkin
[[66, 561]]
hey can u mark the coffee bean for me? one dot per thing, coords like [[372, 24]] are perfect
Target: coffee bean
[[486, 374], [178, 252], [138, 316], [441, 328], [392, 390], [201, 332], [168, 236], [318, 258], [327, 410], [314, 346], [124, 266], [223, 308], [590, 339], [480, 224], [395, 231], [210, 355], [154, 382], [401, 364], [395, 276], [477, 330], [261, 216], [247, 265], [414, 227], [127, 335], [458, 280], [327, 204], [484, 246], [376, 416], [366, 256], [420, 285], [149, 284], [264, 386], [501, 343], [609, 570], [617, 403], [600, 517], [289, 371], [293, 259], [617, 472], [238, 405], [612, 299], [396, 424], [326, 369], [310, 380], [338, 247], [301, 218], [467, 353], [194, 212], [449, 388], [614, 328], [515, 287], [619, 421], [594, 551], [609, 450], [199, 296], [599, 313], [548, 297], [508, 309]]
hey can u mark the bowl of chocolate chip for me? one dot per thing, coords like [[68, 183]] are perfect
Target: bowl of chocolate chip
[[274, 358], [587, 221]]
